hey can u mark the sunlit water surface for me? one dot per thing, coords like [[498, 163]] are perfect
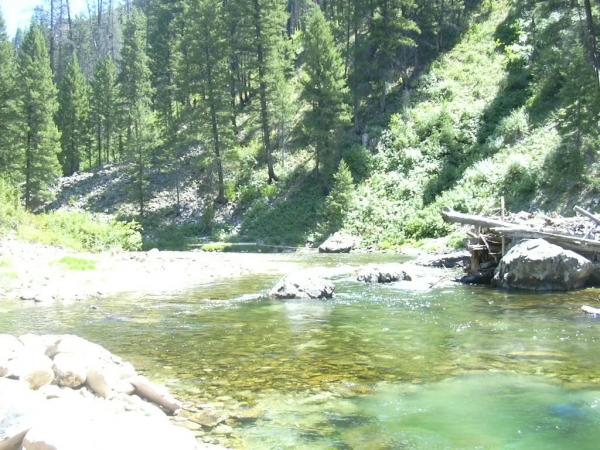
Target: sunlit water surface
[[375, 368]]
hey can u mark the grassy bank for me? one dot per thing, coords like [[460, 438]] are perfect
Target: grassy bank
[[75, 230]]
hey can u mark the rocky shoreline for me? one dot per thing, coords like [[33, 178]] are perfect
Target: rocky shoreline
[[62, 392]]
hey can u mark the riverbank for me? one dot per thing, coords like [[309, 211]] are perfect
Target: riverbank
[[45, 274]]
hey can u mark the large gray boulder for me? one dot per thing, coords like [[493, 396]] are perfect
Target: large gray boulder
[[338, 243], [302, 286], [538, 265], [388, 273]]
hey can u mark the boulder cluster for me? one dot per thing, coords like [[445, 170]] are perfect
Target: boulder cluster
[[62, 392]]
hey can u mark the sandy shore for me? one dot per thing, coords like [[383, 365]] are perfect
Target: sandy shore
[[35, 272]]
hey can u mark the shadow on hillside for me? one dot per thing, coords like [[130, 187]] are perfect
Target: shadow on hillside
[[290, 219], [514, 93], [399, 97]]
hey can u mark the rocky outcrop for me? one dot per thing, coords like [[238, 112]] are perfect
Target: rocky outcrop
[[96, 400], [538, 265], [388, 273], [338, 243], [301, 286]]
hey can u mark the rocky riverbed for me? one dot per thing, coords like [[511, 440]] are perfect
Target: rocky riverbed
[[62, 392]]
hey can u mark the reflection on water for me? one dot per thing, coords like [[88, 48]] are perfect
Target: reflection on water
[[374, 368]]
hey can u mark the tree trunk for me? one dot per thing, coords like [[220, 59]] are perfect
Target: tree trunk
[[592, 42], [262, 83], [215, 129]]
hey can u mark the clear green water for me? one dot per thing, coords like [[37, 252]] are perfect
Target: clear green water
[[375, 368]]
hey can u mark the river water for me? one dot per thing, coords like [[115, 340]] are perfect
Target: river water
[[375, 368]]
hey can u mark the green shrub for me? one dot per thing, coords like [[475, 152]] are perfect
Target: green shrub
[[80, 231], [339, 199], [359, 161], [427, 223]]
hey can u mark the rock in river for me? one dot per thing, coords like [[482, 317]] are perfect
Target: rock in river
[[382, 274], [448, 260], [338, 243], [300, 286], [538, 265]]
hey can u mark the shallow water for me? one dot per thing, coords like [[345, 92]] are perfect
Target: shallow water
[[376, 368]]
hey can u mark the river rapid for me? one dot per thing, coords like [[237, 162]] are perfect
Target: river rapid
[[377, 367]]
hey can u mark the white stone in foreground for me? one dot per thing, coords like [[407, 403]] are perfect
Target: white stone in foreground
[[32, 368], [18, 406], [9, 347], [89, 425]]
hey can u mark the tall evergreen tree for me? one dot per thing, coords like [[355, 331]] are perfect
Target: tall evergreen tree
[[136, 95], [162, 38], [105, 109], [392, 31], [73, 117], [11, 150], [324, 90], [41, 137], [209, 84], [269, 27]]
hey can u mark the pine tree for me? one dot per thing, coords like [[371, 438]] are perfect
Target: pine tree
[[392, 31], [136, 95], [73, 117], [105, 111], [209, 85], [324, 90], [11, 150], [268, 18], [339, 200], [162, 38], [41, 137]]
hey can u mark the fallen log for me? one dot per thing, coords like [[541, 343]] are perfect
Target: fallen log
[[157, 394], [588, 214], [471, 219], [572, 242]]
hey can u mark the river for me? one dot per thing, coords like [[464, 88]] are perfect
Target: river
[[375, 368]]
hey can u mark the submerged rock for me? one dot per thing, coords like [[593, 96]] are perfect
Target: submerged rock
[[538, 265], [299, 286], [338, 243], [383, 274]]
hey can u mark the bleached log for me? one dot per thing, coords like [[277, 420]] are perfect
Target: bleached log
[[471, 219], [156, 394], [588, 214]]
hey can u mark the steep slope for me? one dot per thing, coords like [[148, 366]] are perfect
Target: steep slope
[[483, 122]]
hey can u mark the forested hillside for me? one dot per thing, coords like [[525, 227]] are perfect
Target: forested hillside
[[285, 120]]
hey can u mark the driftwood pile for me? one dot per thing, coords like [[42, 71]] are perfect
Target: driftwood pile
[[491, 237]]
